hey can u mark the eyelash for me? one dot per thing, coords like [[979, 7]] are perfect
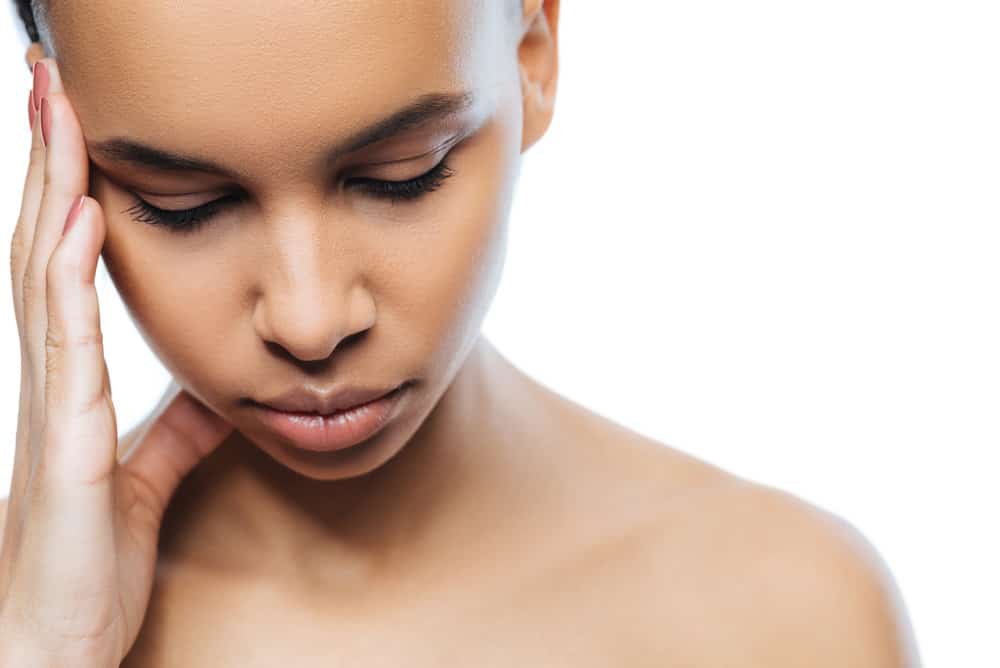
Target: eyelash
[[187, 220]]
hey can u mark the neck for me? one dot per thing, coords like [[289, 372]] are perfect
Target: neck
[[240, 509]]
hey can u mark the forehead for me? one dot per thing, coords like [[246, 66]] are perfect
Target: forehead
[[157, 66]]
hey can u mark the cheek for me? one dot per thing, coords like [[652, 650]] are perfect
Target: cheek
[[441, 272], [181, 304]]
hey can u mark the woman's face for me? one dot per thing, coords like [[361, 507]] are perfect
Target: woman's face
[[304, 273]]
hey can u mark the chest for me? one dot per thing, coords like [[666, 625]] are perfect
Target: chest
[[576, 616], [445, 642], [623, 602]]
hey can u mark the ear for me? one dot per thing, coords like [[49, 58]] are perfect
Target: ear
[[538, 60], [34, 52]]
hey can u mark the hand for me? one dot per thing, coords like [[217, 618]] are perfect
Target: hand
[[79, 548]]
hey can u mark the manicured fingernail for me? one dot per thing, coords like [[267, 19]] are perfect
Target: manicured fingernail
[[31, 110], [46, 112], [74, 213], [40, 82]]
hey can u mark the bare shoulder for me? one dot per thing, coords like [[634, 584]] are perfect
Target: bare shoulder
[[762, 577], [704, 567]]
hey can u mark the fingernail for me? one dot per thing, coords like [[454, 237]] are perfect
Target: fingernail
[[31, 110], [40, 82], [46, 112], [74, 213]]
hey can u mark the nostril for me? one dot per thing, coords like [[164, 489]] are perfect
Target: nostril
[[353, 339]]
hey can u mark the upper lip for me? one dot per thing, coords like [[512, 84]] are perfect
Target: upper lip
[[307, 400]]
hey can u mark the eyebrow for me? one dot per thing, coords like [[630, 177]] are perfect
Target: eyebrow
[[423, 110]]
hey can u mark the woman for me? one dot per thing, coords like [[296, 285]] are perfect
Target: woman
[[304, 208]]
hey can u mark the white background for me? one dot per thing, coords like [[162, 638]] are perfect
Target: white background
[[764, 233]]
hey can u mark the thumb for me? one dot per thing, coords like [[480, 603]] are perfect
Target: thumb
[[170, 447]]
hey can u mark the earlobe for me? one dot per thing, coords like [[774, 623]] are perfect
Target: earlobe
[[531, 6], [35, 51]]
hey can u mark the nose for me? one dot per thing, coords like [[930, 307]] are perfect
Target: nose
[[311, 303]]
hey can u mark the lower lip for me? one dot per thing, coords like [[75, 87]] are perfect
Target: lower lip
[[323, 433]]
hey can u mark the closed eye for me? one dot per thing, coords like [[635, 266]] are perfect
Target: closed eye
[[188, 220]]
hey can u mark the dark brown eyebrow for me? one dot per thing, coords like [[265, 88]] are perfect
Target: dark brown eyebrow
[[424, 109]]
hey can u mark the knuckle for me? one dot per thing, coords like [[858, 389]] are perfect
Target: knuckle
[[18, 240], [93, 403], [17, 250], [37, 154], [57, 342], [28, 287], [87, 340], [55, 346]]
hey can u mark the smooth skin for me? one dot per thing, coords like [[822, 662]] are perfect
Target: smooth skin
[[494, 522]]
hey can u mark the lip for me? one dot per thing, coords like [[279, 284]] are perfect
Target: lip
[[307, 400], [362, 414]]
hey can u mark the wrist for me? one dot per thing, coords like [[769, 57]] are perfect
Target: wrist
[[21, 647], [17, 651]]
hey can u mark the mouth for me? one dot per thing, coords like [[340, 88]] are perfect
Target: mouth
[[336, 430]]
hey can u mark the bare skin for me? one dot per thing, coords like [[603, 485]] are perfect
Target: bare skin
[[493, 522]]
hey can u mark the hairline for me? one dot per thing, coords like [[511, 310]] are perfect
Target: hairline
[[39, 11]]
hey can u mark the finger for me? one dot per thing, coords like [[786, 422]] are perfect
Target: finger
[[80, 435], [183, 434], [24, 230], [70, 498], [46, 80], [65, 175]]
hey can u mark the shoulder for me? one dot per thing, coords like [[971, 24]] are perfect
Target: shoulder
[[703, 567], [778, 580]]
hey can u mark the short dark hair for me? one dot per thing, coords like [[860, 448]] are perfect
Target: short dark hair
[[25, 9]]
